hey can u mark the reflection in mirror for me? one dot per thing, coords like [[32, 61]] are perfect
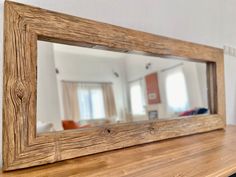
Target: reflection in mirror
[[85, 87]]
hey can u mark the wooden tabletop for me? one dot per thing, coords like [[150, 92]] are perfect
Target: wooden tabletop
[[210, 154]]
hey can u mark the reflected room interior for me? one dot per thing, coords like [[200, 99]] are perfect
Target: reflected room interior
[[80, 87]]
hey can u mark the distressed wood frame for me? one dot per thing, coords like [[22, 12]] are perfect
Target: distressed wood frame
[[24, 25]]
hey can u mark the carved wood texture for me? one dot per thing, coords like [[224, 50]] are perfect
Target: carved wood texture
[[203, 155], [24, 25]]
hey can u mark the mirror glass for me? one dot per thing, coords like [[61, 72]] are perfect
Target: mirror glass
[[79, 87]]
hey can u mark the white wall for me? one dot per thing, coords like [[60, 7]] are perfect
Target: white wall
[[230, 81], [135, 65], [228, 24], [48, 108], [229, 39], [204, 21]]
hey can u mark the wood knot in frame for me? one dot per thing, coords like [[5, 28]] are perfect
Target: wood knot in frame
[[107, 131], [19, 90], [152, 130]]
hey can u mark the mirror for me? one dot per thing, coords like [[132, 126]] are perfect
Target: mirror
[[82, 87], [105, 98]]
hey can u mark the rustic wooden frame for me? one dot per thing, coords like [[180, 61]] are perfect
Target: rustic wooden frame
[[24, 25]]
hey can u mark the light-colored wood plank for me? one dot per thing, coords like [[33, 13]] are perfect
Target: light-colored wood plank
[[209, 154]]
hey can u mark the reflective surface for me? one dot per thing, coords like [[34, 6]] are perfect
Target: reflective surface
[[85, 87]]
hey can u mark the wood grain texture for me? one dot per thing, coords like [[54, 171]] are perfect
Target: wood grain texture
[[24, 25], [204, 155]]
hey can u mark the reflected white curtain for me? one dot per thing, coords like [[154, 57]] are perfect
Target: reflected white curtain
[[70, 100], [175, 89], [86, 101], [109, 100], [90, 96]]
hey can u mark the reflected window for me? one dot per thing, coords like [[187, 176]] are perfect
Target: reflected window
[[176, 91], [137, 98], [91, 103]]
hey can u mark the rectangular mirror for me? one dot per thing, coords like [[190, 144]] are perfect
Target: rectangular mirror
[[109, 87], [82, 87]]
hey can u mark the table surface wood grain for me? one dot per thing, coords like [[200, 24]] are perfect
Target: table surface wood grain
[[209, 154]]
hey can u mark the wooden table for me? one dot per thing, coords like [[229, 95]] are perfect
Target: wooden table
[[210, 154]]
